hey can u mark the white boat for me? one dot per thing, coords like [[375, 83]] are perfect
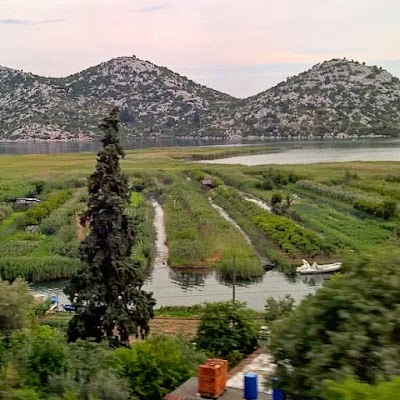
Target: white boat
[[315, 268]]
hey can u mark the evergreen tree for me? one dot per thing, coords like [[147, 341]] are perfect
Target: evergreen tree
[[107, 289]]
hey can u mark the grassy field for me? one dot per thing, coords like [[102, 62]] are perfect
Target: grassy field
[[332, 208]]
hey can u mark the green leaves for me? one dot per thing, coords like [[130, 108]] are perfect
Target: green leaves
[[157, 366], [106, 290], [348, 328], [16, 304], [227, 330], [291, 237], [351, 389]]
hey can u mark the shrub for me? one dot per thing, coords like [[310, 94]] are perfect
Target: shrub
[[276, 198], [350, 327], [38, 212], [16, 303], [350, 389], [276, 309], [157, 366], [227, 330], [5, 211], [268, 184], [385, 209], [291, 237]]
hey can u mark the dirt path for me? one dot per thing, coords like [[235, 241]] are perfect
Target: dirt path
[[81, 232]]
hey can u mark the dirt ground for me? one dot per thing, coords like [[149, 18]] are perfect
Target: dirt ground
[[174, 327]]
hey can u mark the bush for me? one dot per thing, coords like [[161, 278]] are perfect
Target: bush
[[291, 237], [276, 309], [276, 198], [268, 184], [350, 327], [16, 303], [385, 209], [39, 354], [227, 330], [5, 211], [40, 211], [157, 366], [351, 389]]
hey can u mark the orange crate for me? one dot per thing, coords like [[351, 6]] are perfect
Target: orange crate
[[212, 378]]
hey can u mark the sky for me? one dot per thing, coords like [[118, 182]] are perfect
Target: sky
[[240, 47]]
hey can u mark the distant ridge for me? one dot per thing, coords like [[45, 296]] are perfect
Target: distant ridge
[[338, 98]]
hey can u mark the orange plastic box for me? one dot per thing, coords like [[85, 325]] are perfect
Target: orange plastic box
[[212, 378]]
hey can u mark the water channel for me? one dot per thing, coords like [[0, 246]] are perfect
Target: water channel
[[172, 287]]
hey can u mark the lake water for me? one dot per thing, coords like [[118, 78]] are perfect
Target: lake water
[[187, 288], [323, 152], [288, 151]]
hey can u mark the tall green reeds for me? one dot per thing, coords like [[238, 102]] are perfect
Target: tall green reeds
[[34, 269], [199, 237]]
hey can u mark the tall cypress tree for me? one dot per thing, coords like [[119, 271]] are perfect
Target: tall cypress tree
[[107, 289]]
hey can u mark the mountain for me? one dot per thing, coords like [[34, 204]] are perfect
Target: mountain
[[153, 101], [338, 98]]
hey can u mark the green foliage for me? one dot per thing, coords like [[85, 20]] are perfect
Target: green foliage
[[243, 212], [276, 309], [157, 366], [385, 209], [338, 191], [63, 217], [268, 184], [350, 327], [5, 211], [15, 305], [276, 198], [41, 210], [291, 237], [198, 175], [37, 269], [227, 330], [351, 389], [107, 289], [37, 190], [41, 353], [180, 311], [41, 365], [144, 245], [342, 229], [198, 236]]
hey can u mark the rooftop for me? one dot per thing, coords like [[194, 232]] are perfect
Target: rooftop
[[258, 362]]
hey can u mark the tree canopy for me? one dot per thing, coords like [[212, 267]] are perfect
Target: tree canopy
[[15, 305], [350, 327], [107, 289], [227, 330]]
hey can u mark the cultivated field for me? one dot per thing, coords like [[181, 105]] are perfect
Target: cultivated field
[[321, 212]]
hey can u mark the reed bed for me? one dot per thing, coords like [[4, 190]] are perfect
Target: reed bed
[[34, 269], [198, 237]]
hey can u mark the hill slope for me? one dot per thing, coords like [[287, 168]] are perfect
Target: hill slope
[[153, 101], [337, 98]]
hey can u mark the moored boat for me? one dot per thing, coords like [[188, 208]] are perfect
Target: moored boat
[[315, 268]]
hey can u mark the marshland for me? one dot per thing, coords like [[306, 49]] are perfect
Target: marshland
[[319, 212]]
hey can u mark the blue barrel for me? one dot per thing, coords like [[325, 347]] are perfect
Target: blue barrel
[[277, 394], [250, 386]]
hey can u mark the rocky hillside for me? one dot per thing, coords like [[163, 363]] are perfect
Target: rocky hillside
[[338, 98], [153, 101]]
